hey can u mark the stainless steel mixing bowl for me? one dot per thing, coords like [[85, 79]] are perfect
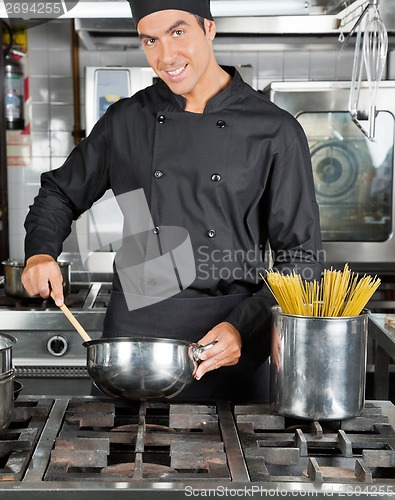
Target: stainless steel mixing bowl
[[142, 368]]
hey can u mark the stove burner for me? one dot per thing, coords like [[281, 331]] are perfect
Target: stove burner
[[314, 428], [148, 428], [355, 450], [334, 473], [96, 414], [18, 441], [138, 440], [128, 469]]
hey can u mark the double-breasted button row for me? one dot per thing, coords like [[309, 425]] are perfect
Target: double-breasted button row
[[220, 123], [211, 233], [214, 177]]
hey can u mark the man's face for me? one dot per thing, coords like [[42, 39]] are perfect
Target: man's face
[[178, 50]]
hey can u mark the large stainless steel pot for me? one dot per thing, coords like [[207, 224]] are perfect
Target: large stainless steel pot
[[142, 368], [13, 270], [6, 399], [6, 343], [318, 365]]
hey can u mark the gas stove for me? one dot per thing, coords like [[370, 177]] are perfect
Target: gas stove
[[66, 447], [49, 356]]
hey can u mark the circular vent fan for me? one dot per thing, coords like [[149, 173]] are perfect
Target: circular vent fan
[[335, 169]]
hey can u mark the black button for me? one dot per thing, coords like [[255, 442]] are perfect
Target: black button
[[158, 174], [161, 119], [211, 233], [215, 177], [156, 230], [221, 124]]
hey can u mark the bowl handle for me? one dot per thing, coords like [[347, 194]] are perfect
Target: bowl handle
[[199, 349]]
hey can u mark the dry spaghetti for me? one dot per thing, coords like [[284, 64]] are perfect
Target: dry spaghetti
[[338, 293]]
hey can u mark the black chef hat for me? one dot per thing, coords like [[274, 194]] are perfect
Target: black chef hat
[[142, 8]]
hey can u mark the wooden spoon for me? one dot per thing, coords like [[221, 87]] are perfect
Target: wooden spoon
[[73, 320]]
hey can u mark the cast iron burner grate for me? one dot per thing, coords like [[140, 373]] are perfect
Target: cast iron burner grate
[[114, 441], [18, 441], [357, 450]]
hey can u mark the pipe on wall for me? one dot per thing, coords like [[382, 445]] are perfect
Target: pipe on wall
[[4, 241], [78, 133]]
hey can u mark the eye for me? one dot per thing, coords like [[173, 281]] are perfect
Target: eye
[[178, 32], [149, 41]]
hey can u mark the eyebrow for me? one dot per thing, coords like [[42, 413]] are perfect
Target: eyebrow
[[175, 25]]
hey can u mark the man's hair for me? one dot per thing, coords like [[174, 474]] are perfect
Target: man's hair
[[200, 21]]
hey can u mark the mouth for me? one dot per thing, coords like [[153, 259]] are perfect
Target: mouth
[[176, 73]]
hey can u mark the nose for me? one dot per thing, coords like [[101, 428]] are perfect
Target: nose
[[168, 53]]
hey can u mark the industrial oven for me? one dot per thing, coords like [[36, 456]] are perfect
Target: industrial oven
[[354, 176]]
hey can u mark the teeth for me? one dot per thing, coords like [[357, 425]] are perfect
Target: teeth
[[176, 71]]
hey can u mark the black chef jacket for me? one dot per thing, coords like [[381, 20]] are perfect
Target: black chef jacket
[[236, 176]]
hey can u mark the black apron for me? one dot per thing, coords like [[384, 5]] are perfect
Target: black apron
[[190, 319]]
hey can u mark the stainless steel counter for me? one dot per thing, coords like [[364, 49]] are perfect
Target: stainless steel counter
[[384, 338]]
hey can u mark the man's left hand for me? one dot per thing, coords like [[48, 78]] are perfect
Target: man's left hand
[[225, 352]]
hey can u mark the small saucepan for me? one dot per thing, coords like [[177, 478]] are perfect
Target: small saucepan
[[139, 367], [13, 270]]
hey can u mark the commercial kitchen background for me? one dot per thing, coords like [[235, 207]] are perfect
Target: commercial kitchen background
[[51, 92], [51, 101], [63, 446]]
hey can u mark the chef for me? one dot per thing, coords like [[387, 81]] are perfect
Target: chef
[[212, 156]]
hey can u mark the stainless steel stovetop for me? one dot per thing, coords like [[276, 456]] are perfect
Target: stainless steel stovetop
[[87, 447]]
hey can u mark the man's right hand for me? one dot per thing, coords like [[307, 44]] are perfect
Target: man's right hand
[[42, 276]]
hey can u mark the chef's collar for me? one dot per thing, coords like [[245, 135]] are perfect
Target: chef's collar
[[217, 102], [142, 8]]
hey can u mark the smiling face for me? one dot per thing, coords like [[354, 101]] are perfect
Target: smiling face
[[181, 53]]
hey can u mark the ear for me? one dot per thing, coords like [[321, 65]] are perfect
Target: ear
[[211, 29]]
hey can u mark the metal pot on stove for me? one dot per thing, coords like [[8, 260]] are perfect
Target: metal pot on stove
[[7, 374], [318, 365], [6, 399], [13, 270], [6, 343]]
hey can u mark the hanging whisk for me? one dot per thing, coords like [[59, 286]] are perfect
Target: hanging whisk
[[370, 56]]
